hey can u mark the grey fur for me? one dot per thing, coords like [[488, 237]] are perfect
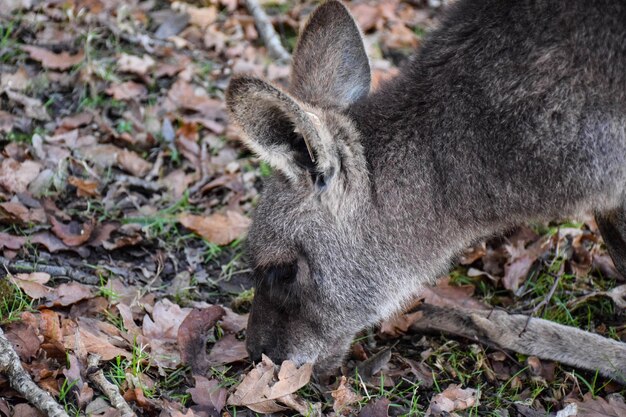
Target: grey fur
[[512, 111]]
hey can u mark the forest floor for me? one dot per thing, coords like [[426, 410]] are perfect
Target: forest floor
[[125, 197]]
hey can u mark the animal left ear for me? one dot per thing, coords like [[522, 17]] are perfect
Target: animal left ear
[[284, 132], [330, 65]]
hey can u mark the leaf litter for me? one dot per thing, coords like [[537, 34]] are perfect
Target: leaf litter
[[119, 174]]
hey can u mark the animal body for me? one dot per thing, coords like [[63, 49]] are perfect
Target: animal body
[[511, 111]]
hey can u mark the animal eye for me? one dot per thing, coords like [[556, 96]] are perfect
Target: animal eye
[[281, 274]]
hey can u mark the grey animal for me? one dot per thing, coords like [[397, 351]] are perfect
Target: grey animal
[[512, 111]]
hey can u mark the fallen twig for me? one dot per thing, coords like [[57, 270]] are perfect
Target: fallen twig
[[267, 32], [96, 376], [17, 267], [138, 182], [541, 338], [21, 382], [617, 294]]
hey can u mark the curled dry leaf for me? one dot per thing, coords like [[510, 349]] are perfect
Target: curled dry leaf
[[366, 15], [202, 16], [128, 90], [186, 96], [87, 338], [7, 120], [77, 120], [262, 391], [344, 396], [16, 176], [73, 233], [217, 228], [24, 339], [166, 320], [130, 161], [14, 212], [378, 408], [33, 107], [84, 188], [208, 394], [444, 294], [54, 244], [400, 37], [193, 334], [18, 81], [134, 64], [38, 277], [51, 60], [32, 286], [228, 349], [452, 399], [516, 272], [11, 242], [68, 294], [599, 407]]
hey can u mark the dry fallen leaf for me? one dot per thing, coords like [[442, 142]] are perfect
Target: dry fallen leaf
[[52, 60], [444, 294], [452, 399], [24, 339], [133, 163], [128, 90], [217, 228], [516, 271], [193, 334], [344, 396], [68, 294], [187, 96], [166, 320], [202, 16], [34, 288], [378, 408], [7, 121], [33, 107], [207, 393], [84, 188], [366, 15], [262, 392], [16, 176], [228, 350], [86, 338], [599, 407], [73, 233], [15, 212], [18, 81], [135, 64]]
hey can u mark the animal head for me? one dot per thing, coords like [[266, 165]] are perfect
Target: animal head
[[309, 241]]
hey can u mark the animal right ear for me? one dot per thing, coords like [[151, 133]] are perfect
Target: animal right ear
[[330, 65], [279, 129]]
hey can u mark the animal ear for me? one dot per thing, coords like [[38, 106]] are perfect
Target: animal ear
[[280, 130], [330, 66]]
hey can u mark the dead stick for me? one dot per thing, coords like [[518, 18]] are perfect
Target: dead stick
[[17, 267], [542, 338], [21, 382], [267, 32], [107, 388]]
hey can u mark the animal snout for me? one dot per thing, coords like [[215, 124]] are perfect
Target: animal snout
[[257, 349]]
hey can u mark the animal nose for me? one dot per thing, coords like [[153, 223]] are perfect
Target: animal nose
[[255, 352]]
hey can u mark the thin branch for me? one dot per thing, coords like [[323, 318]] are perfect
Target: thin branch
[[542, 338], [267, 32], [18, 267], [96, 376], [21, 382]]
